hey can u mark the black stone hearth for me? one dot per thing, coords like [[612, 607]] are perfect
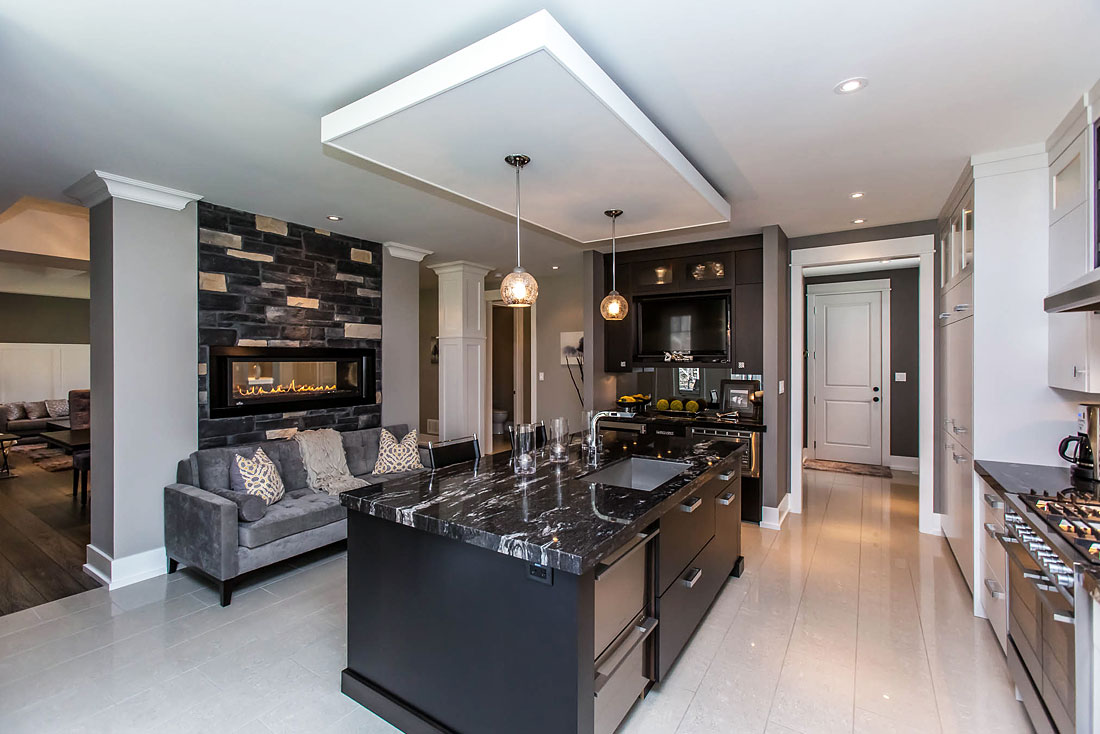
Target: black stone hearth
[[268, 284]]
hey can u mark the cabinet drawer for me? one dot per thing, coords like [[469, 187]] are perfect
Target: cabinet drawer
[[727, 519], [685, 529], [991, 552], [620, 591], [685, 602], [995, 603], [621, 676], [958, 302]]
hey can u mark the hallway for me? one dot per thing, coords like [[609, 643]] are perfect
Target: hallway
[[846, 620]]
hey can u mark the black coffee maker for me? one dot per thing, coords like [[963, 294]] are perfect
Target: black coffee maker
[[1087, 443]]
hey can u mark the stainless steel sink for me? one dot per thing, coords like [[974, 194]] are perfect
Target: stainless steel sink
[[644, 475]]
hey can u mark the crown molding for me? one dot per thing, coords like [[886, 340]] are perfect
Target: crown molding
[[406, 252], [98, 186], [461, 266]]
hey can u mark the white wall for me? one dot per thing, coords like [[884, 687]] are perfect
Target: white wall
[[32, 372], [1016, 416]]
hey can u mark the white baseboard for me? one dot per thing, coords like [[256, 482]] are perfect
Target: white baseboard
[[115, 573], [773, 517], [905, 463]]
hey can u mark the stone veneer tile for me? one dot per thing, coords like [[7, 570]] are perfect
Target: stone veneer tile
[[362, 256], [202, 397], [363, 331], [295, 414], [252, 342], [325, 232], [302, 302], [281, 433], [368, 293], [219, 239], [349, 278], [212, 282], [257, 256], [202, 368], [283, 343], [270, 224]]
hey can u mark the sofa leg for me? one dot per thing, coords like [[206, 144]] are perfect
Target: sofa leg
[[226, 588], [173, 564], [76, 481]]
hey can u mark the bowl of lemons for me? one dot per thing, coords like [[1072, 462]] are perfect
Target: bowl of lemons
[[633, 403]]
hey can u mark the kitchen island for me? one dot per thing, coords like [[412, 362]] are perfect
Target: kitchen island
[[480, 601]]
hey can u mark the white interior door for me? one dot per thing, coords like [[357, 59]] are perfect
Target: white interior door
[[848, 377]]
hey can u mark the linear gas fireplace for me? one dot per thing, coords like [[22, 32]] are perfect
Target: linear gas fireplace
[[252, 380]]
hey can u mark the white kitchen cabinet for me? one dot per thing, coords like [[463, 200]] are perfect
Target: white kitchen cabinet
[[959, 348], [958, 521]]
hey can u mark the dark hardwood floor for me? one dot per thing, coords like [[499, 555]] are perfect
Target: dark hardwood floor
[[43, 534]]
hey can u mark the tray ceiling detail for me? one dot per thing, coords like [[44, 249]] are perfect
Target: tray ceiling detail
[[530, 88]]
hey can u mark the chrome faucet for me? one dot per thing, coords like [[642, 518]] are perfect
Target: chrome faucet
[[593, 436]]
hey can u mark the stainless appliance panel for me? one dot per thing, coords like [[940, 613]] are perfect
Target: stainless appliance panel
[[620, 590]]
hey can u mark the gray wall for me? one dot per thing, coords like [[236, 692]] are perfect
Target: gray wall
[[560, 308], [777, 358], [599, 387], [144, 360], [429, 373], [400, 340], [43, 319], [503, 349], [904, 353]]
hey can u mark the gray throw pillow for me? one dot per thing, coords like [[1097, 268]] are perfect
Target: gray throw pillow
[[36, 411], [250, 507], [58, 408], [14, 411]]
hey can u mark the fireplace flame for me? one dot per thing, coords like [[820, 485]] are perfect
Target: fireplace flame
[[256, 391]]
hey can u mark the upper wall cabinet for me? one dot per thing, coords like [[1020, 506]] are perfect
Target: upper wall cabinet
[[1068, 175], [668, 275], [957, 243]]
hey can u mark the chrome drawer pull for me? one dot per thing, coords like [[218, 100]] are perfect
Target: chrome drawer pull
[[956, 458], [727, 476], [1063, 618], [640, 633], [959, 429], [992, 530], [727, 498], [691, 505], [962, 307], [993, 501], [945, 315], [995, 589], [692, 578]]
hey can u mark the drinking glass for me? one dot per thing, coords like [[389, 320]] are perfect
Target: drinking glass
[[523, 459], [586, 417], [559, 440]]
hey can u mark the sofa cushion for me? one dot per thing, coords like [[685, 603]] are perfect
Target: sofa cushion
[[397, 456], [211, 466], [36, 410], [300, 510], [27, 425], [361, 447], [14, 411], [257, 476], [58, 408]]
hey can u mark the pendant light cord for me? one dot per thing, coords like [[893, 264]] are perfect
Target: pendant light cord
[[613, 254], [517, 216]]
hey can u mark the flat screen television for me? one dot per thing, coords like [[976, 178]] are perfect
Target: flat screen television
[[697, 325]]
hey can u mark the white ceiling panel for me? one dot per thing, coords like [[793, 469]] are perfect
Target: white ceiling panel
[[530, 89]]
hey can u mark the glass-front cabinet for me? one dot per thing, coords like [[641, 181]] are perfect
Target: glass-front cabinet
[[957, 242], [701, 272]]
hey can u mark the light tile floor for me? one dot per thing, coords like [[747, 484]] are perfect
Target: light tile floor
[[846, 620]]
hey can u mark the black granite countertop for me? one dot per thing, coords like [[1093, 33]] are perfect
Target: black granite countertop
[[1011, 478], [553, 517], [702, 420]]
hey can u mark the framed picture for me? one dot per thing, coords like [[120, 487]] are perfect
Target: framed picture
[[572, 347], [687, 380], [737, 397]]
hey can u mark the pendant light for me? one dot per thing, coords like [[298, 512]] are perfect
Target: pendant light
[[613, 307], [518, 289]]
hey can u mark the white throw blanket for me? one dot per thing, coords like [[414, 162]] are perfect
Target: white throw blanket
[[326, 464]]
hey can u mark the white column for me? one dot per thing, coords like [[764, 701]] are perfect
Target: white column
[[144, 356], [462, 394], [401, 333]]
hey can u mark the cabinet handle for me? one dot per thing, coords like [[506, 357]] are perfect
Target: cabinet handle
[[945, 315], [691, 505], [727, 476], [995, 589], [959, 429], [1063, 618], [956, 458], [692, 578], [727, 498], [962, 307], [993, 501], [1078, 372], [992, 530]]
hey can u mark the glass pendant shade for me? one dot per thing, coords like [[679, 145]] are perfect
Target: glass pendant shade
[[519, 289], [613, 307]]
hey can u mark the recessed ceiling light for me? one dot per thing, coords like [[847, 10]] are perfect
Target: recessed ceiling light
[[848, 86], [858, 221], [553, 267], [334, 218], [855, 195]]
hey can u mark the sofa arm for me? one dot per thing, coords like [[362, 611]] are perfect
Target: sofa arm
[[200, 530]]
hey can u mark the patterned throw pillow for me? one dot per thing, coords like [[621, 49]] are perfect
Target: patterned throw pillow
[[58, 408], [15, 411], [257, 476], [36, 411], [396, 457]]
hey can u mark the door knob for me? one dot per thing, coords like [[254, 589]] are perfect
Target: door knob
[[874, 399], [875, 389]]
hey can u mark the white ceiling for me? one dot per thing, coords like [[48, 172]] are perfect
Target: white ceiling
[[225, 99]]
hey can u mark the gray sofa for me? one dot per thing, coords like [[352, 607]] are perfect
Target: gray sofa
[[25, 427], [202, 528]]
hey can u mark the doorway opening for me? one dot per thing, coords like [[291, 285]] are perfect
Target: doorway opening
[[510, 364]]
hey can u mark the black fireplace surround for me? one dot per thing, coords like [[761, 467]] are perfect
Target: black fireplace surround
[[260, 380]]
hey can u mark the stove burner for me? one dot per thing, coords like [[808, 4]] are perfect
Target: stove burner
[[1072, 494]]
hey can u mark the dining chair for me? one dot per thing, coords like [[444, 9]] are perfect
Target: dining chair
[[454, 451]]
